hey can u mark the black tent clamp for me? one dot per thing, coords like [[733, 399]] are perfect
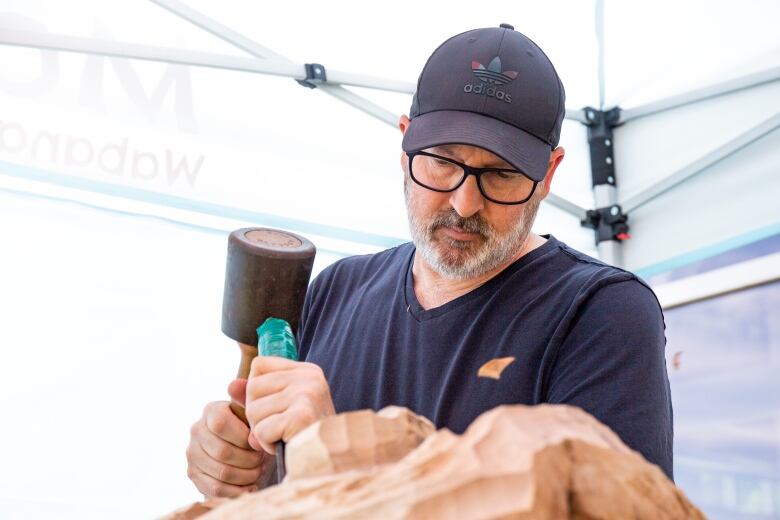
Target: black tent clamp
[[609, 222], [315, 74]]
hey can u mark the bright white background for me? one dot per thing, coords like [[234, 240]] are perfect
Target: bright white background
[[112, 263]]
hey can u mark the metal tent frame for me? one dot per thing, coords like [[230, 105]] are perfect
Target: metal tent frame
[[609, 218]]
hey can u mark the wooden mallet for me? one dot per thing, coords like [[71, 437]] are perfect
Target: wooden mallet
[[267, 276]]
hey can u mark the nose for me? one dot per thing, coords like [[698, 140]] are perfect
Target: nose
[[467, 199]]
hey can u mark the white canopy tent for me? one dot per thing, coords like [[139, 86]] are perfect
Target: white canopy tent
[[186, 113], [717, 86]]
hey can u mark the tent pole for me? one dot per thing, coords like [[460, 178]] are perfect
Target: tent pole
[[702, 163], [274, 66], [217, 29], [242, 42], [608, 221], [361, 103], [610, 251], [255, 49], [709, 92], [566, 205]]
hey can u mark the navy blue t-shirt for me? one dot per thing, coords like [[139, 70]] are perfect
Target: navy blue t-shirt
[[582, 333]]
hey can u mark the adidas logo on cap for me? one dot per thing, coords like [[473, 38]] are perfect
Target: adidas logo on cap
[[491, 78]]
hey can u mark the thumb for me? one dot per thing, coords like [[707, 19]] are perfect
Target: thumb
[[237, 391], [255, 444]]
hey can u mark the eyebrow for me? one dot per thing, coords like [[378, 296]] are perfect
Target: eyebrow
[[450, 149]]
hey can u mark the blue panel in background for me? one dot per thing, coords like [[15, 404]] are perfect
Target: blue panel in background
[[724, 369], [754, 244]]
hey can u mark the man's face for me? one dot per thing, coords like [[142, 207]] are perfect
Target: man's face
[[461, 234]]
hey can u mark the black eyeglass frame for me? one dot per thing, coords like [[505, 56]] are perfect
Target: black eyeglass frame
[[469, 170]]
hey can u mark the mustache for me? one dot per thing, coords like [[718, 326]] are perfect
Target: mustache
[[472, 224]]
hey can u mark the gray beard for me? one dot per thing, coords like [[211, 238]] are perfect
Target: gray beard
[[458, 259]]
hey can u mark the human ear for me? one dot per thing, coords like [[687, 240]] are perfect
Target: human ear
[[556, 156], [403, 123]]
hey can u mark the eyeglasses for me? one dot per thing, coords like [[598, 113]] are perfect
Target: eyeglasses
[[442, 174]]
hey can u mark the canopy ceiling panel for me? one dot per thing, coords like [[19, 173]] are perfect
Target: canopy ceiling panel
[[659, 49]]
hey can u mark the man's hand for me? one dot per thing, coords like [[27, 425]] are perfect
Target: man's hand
[[219, 459], [283, 398]]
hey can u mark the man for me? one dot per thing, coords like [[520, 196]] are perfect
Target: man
[[413, 325]]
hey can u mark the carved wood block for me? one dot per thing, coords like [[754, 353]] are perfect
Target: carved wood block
[[541, 462]]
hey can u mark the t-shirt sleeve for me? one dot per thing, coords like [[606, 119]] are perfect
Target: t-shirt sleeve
[[612, 364]]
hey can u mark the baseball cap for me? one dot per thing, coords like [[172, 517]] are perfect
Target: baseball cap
[[493, 88]]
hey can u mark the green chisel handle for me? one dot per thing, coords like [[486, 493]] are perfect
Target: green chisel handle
[[275, 338]]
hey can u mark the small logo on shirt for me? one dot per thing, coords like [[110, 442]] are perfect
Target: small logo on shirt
[[491, 77], [494, 367]]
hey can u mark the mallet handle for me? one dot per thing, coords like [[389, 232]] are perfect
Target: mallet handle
[[248, 353]]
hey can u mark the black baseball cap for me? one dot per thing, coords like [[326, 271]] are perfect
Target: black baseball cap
[[493, 88]]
